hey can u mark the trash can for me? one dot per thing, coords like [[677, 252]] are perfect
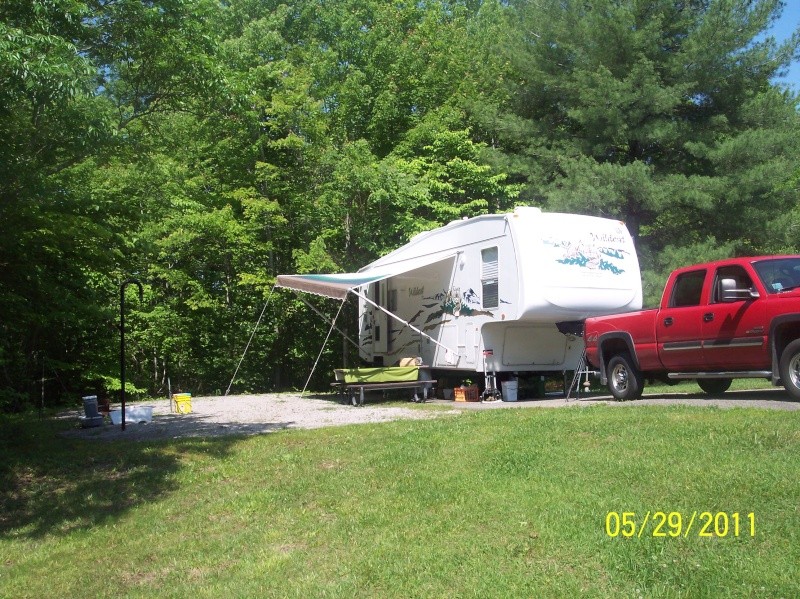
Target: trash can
[[92, 417], [90, 406], [510, 389]]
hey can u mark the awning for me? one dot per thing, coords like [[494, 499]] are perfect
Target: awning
[[340, 284], [333, 285]]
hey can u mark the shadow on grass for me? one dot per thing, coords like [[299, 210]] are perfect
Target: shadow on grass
[[51, 485], [175, 426]]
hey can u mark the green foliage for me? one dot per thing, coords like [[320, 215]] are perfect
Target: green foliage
[[638, 110], [658, 268], [449, 166], [53, 253], [206, 147]]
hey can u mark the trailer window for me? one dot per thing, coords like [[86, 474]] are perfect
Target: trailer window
[[489, 280], [688, 289]]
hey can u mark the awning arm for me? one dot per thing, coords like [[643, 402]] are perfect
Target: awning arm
[[448, 351], [326, 319], [322, 349]]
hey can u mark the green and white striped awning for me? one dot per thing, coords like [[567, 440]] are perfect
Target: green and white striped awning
[[332, 285], [338, 285]]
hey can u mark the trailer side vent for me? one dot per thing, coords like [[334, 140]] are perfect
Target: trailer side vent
[[489, 278]]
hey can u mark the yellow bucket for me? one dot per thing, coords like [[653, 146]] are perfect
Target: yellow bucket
[[182, 403]]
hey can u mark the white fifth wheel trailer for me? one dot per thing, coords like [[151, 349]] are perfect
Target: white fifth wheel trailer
[[496, 293]]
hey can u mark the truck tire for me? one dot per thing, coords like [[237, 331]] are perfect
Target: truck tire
[[715, 386], [789, 368], [625, 381]]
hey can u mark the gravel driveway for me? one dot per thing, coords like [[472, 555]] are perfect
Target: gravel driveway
[[247, 415], [264, 413]]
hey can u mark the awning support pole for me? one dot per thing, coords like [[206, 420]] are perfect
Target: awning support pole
[[329, 321], [255, 328], [321, 349]]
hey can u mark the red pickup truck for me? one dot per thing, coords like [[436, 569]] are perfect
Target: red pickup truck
[[737, 318]]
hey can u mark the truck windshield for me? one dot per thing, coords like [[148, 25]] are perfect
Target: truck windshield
[[779, 274]]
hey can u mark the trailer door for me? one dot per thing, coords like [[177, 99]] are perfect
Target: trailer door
[[380, 320]]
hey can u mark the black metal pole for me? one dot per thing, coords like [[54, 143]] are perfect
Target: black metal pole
[[41, 406], [122, 339]]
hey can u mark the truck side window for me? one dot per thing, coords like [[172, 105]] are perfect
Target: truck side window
[[489, 280], [737, 273], [779, 274], [688, 289]]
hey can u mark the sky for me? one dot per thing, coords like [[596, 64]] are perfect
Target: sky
[[789, 21]]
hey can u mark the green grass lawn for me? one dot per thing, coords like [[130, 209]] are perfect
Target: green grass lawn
[[498, 503]]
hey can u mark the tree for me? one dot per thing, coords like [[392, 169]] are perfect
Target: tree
[[636, 110], [50, 121], [75, 76], [205, 147]]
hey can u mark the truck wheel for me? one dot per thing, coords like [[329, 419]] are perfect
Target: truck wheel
[[624, 380], [790, 368], [715, 386]]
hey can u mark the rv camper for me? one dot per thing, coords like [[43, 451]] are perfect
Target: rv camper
[[496, 293]]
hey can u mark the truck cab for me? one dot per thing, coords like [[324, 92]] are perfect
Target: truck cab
[[717, 321]]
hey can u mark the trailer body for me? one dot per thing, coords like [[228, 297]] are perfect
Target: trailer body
[[497, 293]]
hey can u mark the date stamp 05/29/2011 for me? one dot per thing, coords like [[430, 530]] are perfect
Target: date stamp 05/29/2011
[[674, 525]]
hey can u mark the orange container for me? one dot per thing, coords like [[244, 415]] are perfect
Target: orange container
[[466, 393]]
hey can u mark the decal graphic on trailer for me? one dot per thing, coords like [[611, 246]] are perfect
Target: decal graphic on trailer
[[454, 303], [590, 256]]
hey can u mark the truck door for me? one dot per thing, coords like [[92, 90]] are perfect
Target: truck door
[[735, 333], [680, 325]]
